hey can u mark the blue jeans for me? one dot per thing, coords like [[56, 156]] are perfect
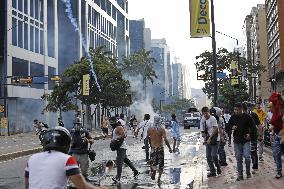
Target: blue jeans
[[212, 157], [277, 153], [242, 150], [222, 153]]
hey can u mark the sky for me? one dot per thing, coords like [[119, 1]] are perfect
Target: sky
[[170, 19]]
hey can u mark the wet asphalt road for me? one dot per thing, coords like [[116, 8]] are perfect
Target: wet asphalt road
[[180, 168]]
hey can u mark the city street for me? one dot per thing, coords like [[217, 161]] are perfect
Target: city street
[[180, 169]]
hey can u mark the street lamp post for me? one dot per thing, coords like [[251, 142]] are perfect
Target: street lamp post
[[274, 77], [215, 84]]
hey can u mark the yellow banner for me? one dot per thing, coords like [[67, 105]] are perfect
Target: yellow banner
[[86, 85], [199, 18], [234, 73], [3, 122]]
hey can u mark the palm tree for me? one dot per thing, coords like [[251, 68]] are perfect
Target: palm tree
[[140, 63]]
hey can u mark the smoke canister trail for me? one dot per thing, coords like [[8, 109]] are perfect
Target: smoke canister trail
[[73, 21]]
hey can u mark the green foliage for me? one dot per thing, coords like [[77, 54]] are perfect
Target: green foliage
[[140, 63], [114, 89], [59, 100], [176, 105], [230, 93]]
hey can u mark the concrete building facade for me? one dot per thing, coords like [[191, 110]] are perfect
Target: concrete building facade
[[160, 88], [275, 43], [39, 40], [259, 52]]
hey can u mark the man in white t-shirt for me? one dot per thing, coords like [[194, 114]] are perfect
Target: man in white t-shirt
[[144, 126], [209, 130], [51, 169]]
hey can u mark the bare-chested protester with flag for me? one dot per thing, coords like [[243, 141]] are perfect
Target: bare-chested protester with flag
[[157, 134]]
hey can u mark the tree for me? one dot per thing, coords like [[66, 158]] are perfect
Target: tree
[[177, 105], [140, 63], [59, 100], [114, 89], [225, 90]]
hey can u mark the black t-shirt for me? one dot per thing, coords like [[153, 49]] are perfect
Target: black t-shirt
[[245, 125], [256, 122], [78, 145]]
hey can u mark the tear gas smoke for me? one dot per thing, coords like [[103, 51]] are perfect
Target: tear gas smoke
[[73, 21], [141, 105]]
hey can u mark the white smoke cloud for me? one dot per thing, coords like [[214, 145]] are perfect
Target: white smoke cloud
[[141, 105], [73, 21]]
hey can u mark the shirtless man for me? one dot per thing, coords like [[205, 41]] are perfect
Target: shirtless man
[[157, 133]]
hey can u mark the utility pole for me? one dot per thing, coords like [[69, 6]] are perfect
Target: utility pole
[[215, 84]]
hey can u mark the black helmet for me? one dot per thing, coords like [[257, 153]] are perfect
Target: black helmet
[[213, 111], [58, 139]]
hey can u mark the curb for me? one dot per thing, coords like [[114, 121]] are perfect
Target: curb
[[18, 154]]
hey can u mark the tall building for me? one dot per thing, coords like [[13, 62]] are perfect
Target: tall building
[[248, 32], [275, 39], [178, 79], [259, 51], [39, 40], [136, 32], [160, 88], [147, 39], [186, 82]]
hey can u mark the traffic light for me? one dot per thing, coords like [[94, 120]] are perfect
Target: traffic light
[[56, 78], [21, 80], [15, 80], [27, 80]]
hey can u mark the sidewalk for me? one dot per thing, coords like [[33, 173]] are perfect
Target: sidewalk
[[25, 144], [263, 179]]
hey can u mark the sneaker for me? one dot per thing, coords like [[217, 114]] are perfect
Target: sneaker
[[248, 176], [219, 171], [153, 175], [211, 175], [254, 171], [240, 178], [136, 173], [115, 180], [224, 164], [261, 159], [278, 175]]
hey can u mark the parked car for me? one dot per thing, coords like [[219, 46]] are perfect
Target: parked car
[[191, 119]]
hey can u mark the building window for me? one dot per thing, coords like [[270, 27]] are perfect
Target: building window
[[41, 10], [41, 42], [36, 9], [14, 4], [36, 40], [103, 5], [108, 7], [14, 31], [113, 13], [26, 6], [32, 8], [20, 67], [26, 37], [98, 2], [50, 29], [20, 34], [20, 5], [31, 38], [37, 70]]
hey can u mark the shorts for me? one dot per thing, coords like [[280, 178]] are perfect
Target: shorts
[[157, 157]]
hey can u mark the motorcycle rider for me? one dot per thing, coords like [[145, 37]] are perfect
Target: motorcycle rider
[[53, 167]]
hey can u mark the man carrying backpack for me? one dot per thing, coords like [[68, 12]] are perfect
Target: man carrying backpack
[[118, 134]]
